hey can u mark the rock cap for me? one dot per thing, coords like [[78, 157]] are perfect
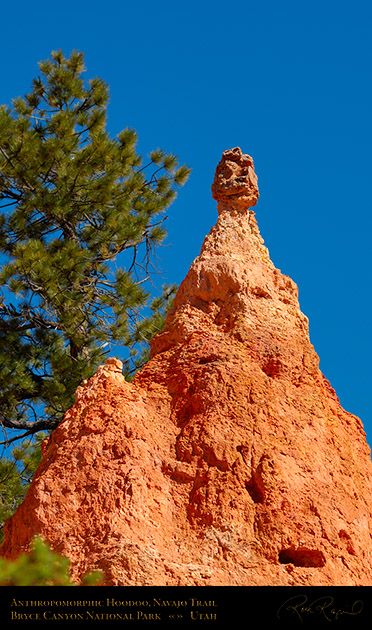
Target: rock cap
[[235, 181]]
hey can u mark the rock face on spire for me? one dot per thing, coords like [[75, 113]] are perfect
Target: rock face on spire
[[235, 181], [229, 459]]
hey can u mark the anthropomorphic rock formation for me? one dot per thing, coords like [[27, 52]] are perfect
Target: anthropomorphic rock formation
[[229, 459], [235, 181]]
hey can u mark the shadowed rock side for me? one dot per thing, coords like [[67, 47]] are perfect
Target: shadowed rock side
[[228, 460]]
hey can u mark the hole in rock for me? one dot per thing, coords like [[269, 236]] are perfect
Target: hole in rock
[[343, 534], [272, 367], [346, 539], [260, 292], [302, 557], [208, 359], [255, 492]]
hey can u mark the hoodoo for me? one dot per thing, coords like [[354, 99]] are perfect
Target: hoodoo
[[229, 459]]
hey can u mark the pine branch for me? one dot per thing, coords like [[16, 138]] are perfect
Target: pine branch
[[28, 320], [30, 426], [9, 441]]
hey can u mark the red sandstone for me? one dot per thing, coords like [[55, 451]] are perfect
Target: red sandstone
[[229, 459]]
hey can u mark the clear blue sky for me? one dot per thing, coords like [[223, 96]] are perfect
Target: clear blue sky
[[290, 83]]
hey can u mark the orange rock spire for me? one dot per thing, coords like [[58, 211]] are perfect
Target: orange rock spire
[[229, 459]]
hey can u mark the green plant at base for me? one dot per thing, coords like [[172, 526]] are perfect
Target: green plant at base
[[42, 567]]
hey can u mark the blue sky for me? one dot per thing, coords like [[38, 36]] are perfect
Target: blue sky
[[290, 83]]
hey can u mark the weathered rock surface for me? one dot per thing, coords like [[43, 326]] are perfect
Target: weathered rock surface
[[229, 459]]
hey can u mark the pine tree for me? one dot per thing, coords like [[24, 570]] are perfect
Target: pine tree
[[81, 218]]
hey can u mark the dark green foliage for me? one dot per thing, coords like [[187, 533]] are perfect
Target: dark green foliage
[[15, 476], [81, 217], [41, 567]]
